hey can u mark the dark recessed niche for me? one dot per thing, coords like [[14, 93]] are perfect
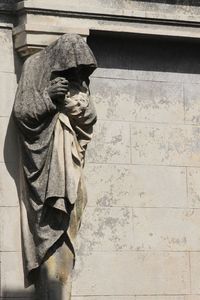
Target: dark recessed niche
[[150, 54]]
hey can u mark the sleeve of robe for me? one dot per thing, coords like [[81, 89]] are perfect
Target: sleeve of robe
[[35, 115]]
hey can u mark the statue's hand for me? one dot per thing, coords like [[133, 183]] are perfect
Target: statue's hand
[[58, 88]]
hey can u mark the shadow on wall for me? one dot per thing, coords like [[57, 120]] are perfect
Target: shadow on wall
[[145, 54], [11, 151], [12, 294], [54, 292], [11, 159]]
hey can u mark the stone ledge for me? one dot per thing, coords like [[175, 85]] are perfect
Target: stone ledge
[[31, 37], [6, 25], [164, 12]]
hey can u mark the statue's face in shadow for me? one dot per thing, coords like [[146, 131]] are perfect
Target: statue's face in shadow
[[73, 75]]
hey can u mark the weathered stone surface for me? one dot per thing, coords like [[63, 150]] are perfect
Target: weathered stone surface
[[7, 87], [144, 101], [6, 57], [111, 143], [10, 237], [166, 229], [136, 186], [193, 178], [132, 273], [131, 74], [107, 24], [31, 38], [108, 273], [192, 297], [160, 297], [52, 158], [8, 189], [192, 103], [12, 279], [106, 229], [106, 298], [125, 8], [195, 273], [166, 145]]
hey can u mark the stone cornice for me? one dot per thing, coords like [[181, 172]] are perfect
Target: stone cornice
[[182, 17], [109, 17], [43, 21]]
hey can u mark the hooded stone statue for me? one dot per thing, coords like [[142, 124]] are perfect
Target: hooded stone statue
[[53, 135]]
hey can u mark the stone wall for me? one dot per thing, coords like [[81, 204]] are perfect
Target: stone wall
[[11, 270], [140, 234], [140, 237]]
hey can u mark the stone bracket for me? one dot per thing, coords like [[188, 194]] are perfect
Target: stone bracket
[[30, 38]]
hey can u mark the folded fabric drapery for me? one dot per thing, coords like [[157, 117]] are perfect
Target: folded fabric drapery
[[53, 142]]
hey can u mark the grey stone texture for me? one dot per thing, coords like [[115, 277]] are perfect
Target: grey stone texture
[[156, 189], [129, 186], [110, 145], [11, 277], [160, 18], [139, 238], [145, 8], [151, 101], [123, 273], [53, 138]]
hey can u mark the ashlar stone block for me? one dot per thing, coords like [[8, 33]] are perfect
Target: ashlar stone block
[[192, 103], [8, 88], [166, 145], [166, 229], [111, 143], [106, 298], [167, 77], [8, 188], [192, 297], [106, 229], [144, 101], [6, 51], [10, 232], [195, 273], [12, 279], [193, 178], [136, 186], [160, 297], [132, 273]]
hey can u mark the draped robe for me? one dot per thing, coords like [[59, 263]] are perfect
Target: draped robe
[[53, 145]]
